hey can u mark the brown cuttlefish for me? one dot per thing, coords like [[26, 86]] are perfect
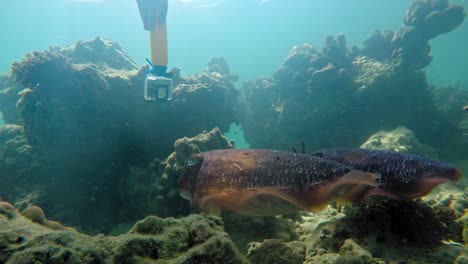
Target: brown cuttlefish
[[403, 176], [266, 182]]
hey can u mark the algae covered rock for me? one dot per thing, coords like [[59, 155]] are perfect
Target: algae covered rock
[[205, 141], [9, 96], [382, 231], [154, 187], [351, 253], [401, 140], [342, 94], [83, 113], [18, 163], [194, 239], [101, 52], [276, 251], [245, 229]]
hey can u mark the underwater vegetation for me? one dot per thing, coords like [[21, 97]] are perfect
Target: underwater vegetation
[[82, 147]]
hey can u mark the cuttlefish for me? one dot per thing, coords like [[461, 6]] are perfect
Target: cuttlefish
[[266, 182], [403, 176]]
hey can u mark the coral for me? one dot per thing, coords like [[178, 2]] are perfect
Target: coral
[[193, 239], [401, 140]]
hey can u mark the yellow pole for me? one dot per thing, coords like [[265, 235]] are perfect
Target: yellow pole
[[159, 45], [159, 36]]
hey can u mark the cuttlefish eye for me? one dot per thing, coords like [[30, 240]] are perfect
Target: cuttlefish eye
[[186, 195], [192, 161]]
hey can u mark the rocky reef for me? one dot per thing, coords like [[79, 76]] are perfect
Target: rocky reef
[[193, 239], [81, 143], [339, 95], [401, 140], [382, 231], [80, 114]]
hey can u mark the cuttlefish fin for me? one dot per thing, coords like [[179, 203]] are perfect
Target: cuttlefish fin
[[360, 178], [356, 193], [212, 204], [316, 197]]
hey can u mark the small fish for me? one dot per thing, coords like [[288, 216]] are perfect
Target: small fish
[[265, 182], [403, 176], [465, 108]]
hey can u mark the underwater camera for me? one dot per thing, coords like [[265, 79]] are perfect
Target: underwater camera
[[157, 88]]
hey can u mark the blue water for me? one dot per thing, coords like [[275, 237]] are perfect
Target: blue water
[[254, 35]]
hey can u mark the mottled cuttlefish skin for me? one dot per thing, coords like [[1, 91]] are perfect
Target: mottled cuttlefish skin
[[265, 182], [403, 176]]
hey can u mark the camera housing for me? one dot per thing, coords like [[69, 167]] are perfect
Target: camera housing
[[157, 88]]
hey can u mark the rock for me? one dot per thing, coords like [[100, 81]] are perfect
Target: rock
[[340, 94], [351, 253], [91, 121], [299, 57], [102, 52], [387, 221], [9, 96], [35, 214], [454, 199], [276, 251], [401, 140], [381, 231], [379, 46], [18, 163], [433, 18], [193, 239], [219, 65], [441, 22], [205, 141], [7, 209], [245, 229]]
